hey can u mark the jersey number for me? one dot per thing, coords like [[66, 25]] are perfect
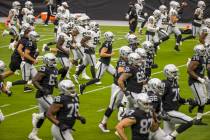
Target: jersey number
[[145, 124], [139, 77], [176, 94], [52, 80], [73, 109]]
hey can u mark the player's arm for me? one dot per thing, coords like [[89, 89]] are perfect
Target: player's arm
[[155, 124], [122, 125], [28, 56], [174, 18], [84, 42], [192, 66], [55, 107], [123, 77], [104, 54], [38, 77], [59, 45], [202, 37], [20, 49]]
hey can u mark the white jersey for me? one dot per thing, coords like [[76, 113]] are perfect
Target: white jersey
[[206, 30], [139, 9], [25, 12], [162, 21], [67, 41], [79, 37], [199, 13], [151, 24], [13, 14], [172, 13], [94, 39]]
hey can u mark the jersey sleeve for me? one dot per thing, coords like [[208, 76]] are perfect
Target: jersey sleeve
[[58, 100], [43, 69], [132, 114], [128, 69]]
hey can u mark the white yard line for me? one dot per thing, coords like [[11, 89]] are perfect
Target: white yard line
[[5, 105]]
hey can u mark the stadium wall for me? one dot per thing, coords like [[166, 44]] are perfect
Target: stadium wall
[[105, 9]]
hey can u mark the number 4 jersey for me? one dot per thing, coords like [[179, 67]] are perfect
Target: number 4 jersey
[[49, 81], [69, 112]]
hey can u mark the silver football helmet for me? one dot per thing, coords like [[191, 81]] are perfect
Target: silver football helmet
[[94, 26], [33, 36], [200, 50], [16, 5], [124, 51], [155, 85], [135, 59], [49, 59], [65, 5], [2, 66], [201, 4], [163, 9], [207, 22], [109, 36], [171, 71], [143, 102], [142, 53], [140, 1], [132, 39], [29, 5], [67, 87], [148, 46], [157, 14]]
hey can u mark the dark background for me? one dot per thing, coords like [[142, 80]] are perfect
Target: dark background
[[105, 9]]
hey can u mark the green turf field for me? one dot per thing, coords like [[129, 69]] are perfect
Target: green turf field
[[18, 109]]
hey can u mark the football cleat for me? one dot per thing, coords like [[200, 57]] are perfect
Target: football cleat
[[98, 83], [27, 89], [177, 48], [76, 78], [103, 128], [85, 76], [33, 136], [1, 116], [5, 32], [45, 48], [8, 85], [199, 122]]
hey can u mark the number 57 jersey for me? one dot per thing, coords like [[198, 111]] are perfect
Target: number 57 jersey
[[49, 81]]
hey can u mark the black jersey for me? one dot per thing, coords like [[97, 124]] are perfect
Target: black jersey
[[135, 82], [200, 70], [120, 63], [133, 47], [69, 112], [133, 14], [15, 55], [33, 51], [156, 101], [171, 96], [108, 45], [49, 81], [140, 130]]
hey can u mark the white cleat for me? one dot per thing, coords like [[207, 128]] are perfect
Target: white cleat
[[1, 116], [30, 83], [68, 76], [5, 32], [35, 119], [8, 85], [44, 47], [98, 83], [85, 76], [76, 78], [103, 128], [17, 72], [33, 136]]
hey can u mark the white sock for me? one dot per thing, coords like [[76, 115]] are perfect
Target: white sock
[[174, 134], [104, 121], [35, 131], [199, 116]]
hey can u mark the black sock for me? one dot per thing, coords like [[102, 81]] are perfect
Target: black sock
[[19, 82], [81, 68], [201, 109], [51, 43], [39, 123], [12, 40], [108, 112], [188, 37], [184, 127], [165, 38], [92, 81], [178, 39], [92, 70]]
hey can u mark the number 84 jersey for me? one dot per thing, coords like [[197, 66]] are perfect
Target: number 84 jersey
[[49, 81]]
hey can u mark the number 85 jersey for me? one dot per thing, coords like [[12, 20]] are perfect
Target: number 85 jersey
[[69, 112], [49, 81]]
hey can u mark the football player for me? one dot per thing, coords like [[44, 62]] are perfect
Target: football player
[[141, 14], [171, 101], [205, 33], [134, 78], [196, 81], [197, 20], [133, 42], [104, 62], [13, 24], [29, 59], [64, 111], [140, 119], [116, 93], [27, 10], [45, 81], [133, 18]]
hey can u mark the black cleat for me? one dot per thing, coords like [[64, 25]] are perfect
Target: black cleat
[[177, 48], [199, 122], [27, 89], [81, 88]]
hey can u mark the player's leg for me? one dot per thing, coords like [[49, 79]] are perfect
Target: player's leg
[[92, 59], [83, 65], [168, 127], [159, 135], [199, 92], [163, 35], [193, 35], [60, 135], [111, 70], [178, 34], [66, 64]]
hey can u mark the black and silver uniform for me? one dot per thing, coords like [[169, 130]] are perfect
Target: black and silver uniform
[[69, 112], [156, 101], [135, 82], [16, 58], [33, 51], [148, 65], [200, 70], [207, 63], [49, 81], [108, 45], [120, 63], [140, 130], [171, 99]]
